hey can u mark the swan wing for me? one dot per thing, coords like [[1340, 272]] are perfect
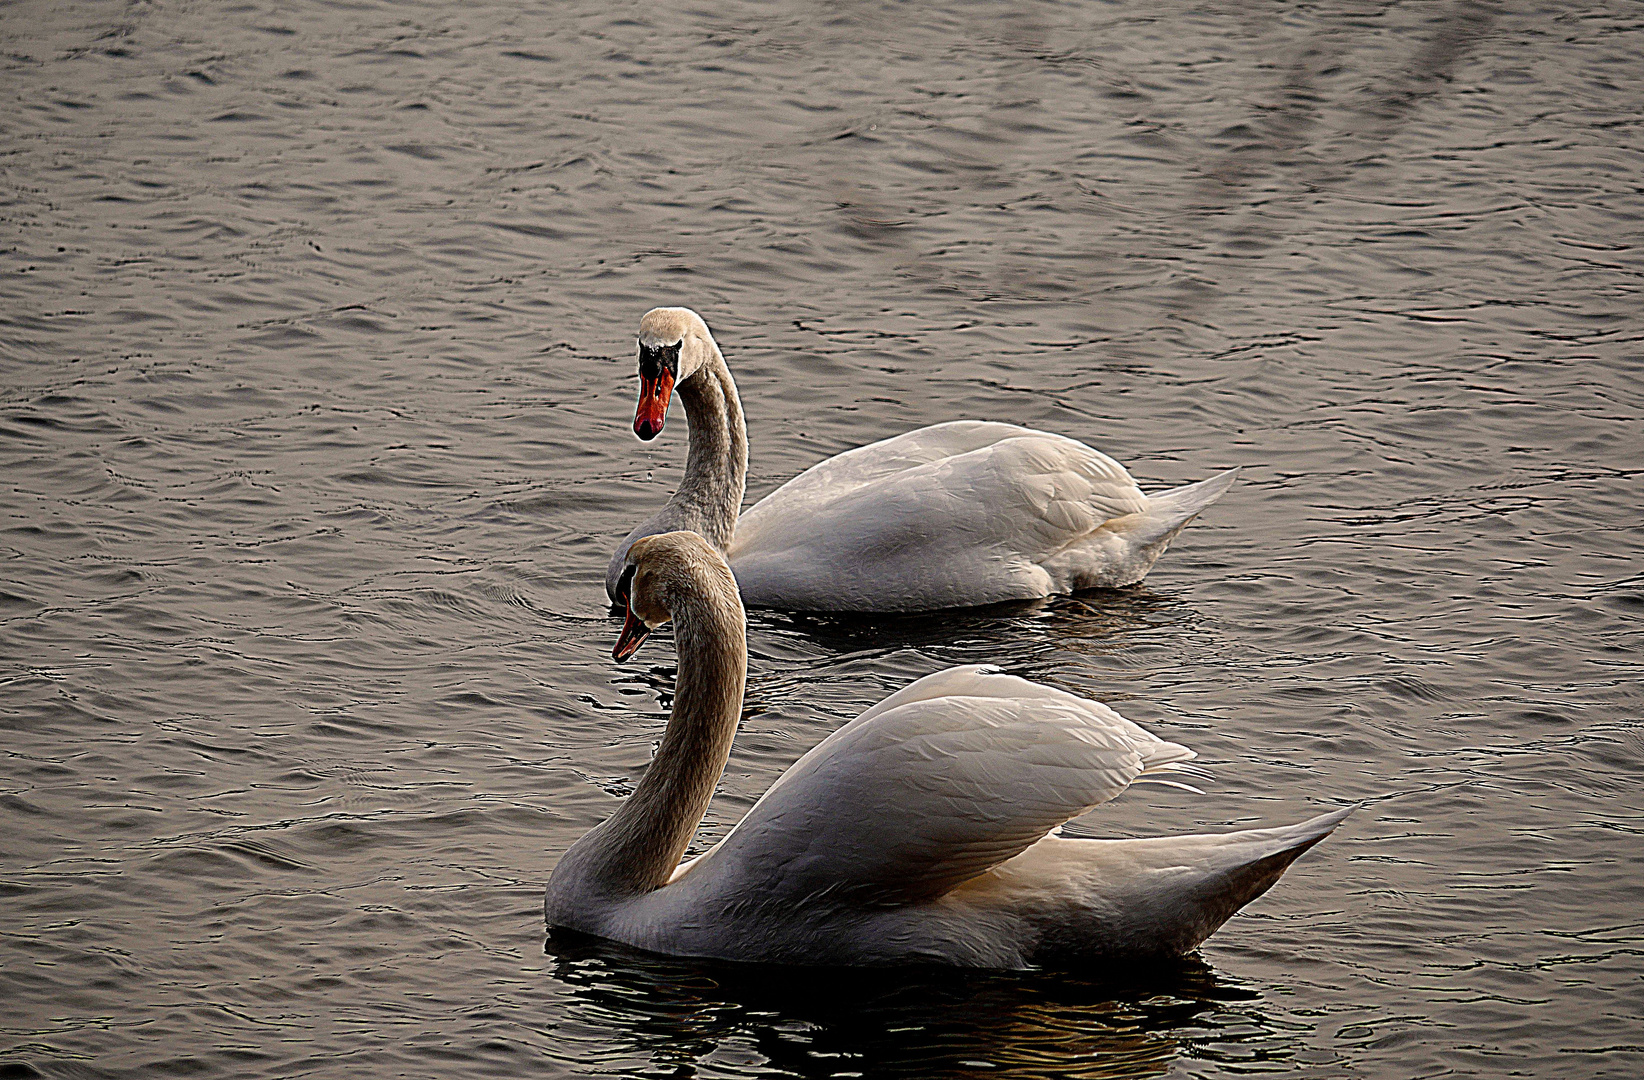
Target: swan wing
[[942, 781], [934, 471], [922, 521], [828, 479]]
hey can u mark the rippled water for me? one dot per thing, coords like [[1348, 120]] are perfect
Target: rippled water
[[317, 354]]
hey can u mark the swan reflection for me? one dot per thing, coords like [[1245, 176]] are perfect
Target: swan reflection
[[657, 1015], [1098, 622]]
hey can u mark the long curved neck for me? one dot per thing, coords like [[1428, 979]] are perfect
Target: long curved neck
[[716, 467], [636, 849]]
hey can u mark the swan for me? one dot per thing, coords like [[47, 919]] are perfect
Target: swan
[[923, 831], [953, 515]]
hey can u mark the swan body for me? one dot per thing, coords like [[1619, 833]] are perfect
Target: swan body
[[952, 515], [923, 831]]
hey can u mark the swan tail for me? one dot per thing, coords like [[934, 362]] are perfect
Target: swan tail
[[1124, 549], [1246, 864], [1169, 512], [1164, 896], [1233, 869]]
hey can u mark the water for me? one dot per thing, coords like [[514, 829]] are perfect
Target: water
[[317, 354]]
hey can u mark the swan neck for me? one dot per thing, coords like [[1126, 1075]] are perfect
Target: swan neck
[[638, 847], [716, 465]]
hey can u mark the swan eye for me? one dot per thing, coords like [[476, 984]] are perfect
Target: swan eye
[[625, 585], [655, 359]]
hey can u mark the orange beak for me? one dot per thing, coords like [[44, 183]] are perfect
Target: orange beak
[[652, 409], [634, 632]]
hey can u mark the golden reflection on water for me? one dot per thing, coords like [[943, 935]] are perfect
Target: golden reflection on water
[[684, 1015]]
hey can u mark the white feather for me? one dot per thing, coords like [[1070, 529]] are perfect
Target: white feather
[[915, 796], [957, 514]]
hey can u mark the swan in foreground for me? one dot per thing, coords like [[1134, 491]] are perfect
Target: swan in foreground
[[923, 831], [952, 515]]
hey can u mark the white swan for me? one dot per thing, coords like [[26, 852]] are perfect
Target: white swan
[[915, 833], [952, 515]]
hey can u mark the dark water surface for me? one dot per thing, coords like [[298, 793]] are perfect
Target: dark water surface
[[317, 355]]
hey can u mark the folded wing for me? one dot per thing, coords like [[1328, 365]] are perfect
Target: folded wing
[[939, 783], [965, 482]]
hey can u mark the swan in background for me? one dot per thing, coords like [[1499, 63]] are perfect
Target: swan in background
[[923, 831], [952, 515]]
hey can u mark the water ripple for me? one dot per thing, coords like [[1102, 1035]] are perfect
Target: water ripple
[[317, 355]]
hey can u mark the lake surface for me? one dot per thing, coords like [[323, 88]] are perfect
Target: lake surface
[[316, 376]]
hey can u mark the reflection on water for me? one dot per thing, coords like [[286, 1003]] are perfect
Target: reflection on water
[[1086, 621], [316, 384], [1028, 637], [682, 1015]]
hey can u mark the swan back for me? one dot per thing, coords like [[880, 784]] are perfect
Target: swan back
[[947, 516], [952, 776]]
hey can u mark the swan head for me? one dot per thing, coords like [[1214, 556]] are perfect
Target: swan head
[[665, 575], [674, 344]]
